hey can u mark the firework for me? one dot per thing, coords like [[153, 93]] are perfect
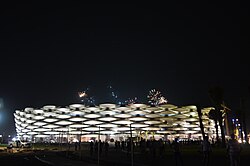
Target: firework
[[130, 101], [162, 100], [155, 97], [117, 99], [113, 95], [82, 94], [85, 98]]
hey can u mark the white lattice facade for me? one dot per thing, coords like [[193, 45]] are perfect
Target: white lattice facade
[[110, 120]]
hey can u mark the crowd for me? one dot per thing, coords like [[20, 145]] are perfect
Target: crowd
[[155, 148]]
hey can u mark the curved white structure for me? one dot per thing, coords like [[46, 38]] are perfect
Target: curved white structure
[[111, 120]]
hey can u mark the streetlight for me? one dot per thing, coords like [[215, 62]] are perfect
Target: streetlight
[[131, 144]]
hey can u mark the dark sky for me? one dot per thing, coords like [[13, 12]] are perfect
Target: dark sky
[[49, 52]]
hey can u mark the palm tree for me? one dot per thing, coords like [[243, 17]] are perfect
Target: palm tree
[[213, 115], [226, 111], [200, 121], [216, 95]]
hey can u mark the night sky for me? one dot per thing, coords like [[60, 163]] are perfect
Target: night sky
[[50, 52]]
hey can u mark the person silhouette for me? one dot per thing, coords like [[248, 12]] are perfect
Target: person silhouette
[[177, 152], [206, 149], [10, 148], [233, 150], [91, 147]]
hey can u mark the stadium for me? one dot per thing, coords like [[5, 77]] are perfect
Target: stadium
[[78, 122]]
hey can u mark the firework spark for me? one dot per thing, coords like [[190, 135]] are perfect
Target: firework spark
[[162, 100], [130, 101], [88, 99], [85, 98], [112, 93], [82, 94], [155, 97], [117, 99]]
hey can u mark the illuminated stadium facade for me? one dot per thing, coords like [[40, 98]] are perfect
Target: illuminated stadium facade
[[111, 121]]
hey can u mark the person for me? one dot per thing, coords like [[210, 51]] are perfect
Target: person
[[206, 149], [10, 148], [161, 148], [106, 147], [233, 150], [91, 147], [177, 152], [96, 147], [76, 144], [128, 147], [116, 145]]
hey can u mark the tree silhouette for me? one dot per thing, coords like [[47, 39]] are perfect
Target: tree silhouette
[[200, 121], [214, 116], [216, 95]]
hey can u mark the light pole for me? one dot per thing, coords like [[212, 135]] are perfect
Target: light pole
[[131, 144], [81, 142], [99, 146]]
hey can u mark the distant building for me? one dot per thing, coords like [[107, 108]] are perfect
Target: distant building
[[57, 124]]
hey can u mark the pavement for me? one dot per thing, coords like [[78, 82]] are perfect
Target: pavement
[[56, 158], [117, 158], [122, 158], [47, 157], [74, 158]]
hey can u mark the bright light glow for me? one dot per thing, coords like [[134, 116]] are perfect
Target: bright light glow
[[122, 122], [28, 109], [137, 113], [38, 111], [63, 116], [50, 120], [110, 113], [49, 107], [64, 122], [41, 129], [92, 116], [138, 106], [138, 119], [78, 126], [77, 113], [82, 94], [41, 136], [38, 117], [107, 119], [111, 106], [63, 110], [108, 125], [112, 120], [24, 124], [51, 132], [32, 133], [39, 123], [76, 119], [152, 122], [92, 122], [122, 115], [122, 129]]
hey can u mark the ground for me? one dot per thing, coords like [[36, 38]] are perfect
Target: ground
[[63, 155]]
